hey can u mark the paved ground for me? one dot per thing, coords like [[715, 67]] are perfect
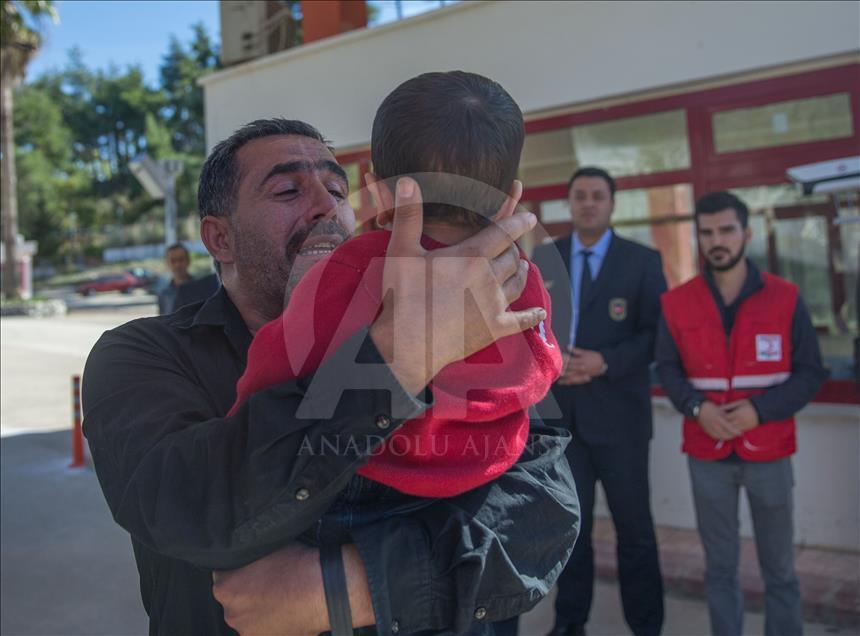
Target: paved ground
[[66, 568], [38, 357], [100, 301]]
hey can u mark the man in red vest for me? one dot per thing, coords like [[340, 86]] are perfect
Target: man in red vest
[[737, 354]]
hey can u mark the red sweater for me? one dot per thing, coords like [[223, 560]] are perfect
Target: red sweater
[[478, 425]]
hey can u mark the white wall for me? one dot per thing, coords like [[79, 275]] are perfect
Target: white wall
[[826, 475], [546, 54]]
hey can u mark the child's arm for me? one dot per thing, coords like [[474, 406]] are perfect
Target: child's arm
[[326, 307]]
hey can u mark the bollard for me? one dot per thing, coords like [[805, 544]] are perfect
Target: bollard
[[77, 431]]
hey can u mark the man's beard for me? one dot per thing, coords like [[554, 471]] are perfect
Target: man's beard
[[269, 274], [729, 264]]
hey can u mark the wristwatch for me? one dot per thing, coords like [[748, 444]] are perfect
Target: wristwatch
[[696, 407]]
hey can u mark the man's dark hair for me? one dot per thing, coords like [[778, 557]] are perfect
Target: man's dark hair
[[219, 177], [590, 171], [714, 202], [453, 123], [176, 246]]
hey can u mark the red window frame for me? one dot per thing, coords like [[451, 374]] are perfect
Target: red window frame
[[708, 169]]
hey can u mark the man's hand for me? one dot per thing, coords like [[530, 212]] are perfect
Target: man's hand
[[587, 362], [444, 305], [569, 374], [742, 415], [715, 423], [282, 593]]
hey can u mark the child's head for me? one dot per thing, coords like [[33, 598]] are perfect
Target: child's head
[[454, 123]]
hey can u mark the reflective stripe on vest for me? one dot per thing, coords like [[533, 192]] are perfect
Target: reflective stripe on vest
[[710, 384], [759, 381]]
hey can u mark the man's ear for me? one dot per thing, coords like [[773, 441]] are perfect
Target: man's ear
[[383, 200], [217, 235]]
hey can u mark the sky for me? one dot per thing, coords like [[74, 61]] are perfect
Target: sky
[[126, 32], [122, 32]]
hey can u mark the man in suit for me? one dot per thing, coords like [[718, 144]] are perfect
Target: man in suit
[[605, 294], [196, 289]]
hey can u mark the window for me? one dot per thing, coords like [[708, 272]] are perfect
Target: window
[[557, 211], [647, 215], [848, 262], [764, 197], [790, 122], [634, 145], [801, 245], [353, 177]]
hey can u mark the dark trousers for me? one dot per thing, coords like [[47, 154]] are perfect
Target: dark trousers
[[623, 472]]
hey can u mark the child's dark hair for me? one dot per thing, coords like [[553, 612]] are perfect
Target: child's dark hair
[[454, 123]]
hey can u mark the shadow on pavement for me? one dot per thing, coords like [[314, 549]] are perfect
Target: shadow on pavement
[[67, 568]]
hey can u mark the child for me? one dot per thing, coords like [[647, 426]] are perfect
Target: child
[[470, 130]]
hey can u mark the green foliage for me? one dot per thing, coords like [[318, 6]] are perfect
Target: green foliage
[[76, 130]]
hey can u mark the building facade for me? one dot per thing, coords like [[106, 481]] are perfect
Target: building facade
[[673, 98]]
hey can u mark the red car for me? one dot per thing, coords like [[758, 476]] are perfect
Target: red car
[[125, 282]]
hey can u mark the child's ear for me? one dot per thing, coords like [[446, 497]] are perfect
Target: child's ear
[[510, 204], [383, 200]]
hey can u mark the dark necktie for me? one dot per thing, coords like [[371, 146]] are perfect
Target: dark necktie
[[585, 282]]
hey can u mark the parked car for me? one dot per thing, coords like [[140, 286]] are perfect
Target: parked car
[[149, 280], [126, 282]]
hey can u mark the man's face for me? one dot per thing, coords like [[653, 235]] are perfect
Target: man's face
[[722, 240], [591, 205], [177, 262], [291, 211]]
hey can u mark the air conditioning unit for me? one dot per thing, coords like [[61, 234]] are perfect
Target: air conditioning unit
[[242, 30]]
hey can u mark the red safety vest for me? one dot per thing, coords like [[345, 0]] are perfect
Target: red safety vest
[[755, 357]]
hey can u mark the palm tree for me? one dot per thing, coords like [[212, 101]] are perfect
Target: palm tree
[[20, 38]]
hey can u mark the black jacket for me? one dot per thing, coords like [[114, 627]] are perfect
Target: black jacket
[[199, 491], [619, 318]]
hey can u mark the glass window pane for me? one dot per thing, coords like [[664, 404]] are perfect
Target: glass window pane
[[557, 211], [757, 247], [849, 263], [647, 203], [634, 145], [764, 197], [802, 251], [790, 122], [354, 179], [674, 240], [645, 215], [547, 158]]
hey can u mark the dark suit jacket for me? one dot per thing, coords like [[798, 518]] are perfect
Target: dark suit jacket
[[619, 319], [196, 290]]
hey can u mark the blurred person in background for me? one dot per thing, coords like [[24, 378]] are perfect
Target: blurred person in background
[[179, 288], [178, 260], [605, 294], [738, 356]]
